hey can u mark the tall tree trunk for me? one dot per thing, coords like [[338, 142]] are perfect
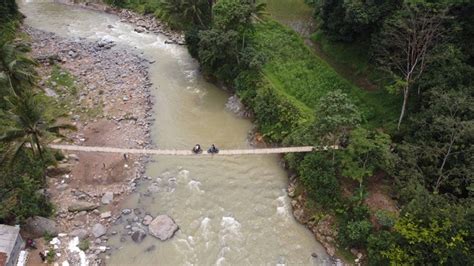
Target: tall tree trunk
[[441, 176], [404, 106]]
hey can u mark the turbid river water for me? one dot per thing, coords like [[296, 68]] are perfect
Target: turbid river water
[[231, 210]]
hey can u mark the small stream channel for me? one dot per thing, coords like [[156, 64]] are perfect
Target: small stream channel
[[231, 210]]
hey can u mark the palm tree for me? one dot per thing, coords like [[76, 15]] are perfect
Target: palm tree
[[259, 10], [27, 126], [16, 69]]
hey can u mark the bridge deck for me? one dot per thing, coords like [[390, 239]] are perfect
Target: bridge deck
[[187, 152]]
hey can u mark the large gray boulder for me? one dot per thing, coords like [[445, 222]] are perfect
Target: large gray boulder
[[163, 227], [39, 226], [98, 230], [79, 206]]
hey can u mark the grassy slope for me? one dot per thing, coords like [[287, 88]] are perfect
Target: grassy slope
[[293, 68]]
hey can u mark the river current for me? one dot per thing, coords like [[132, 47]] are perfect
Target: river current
[[230, 210]]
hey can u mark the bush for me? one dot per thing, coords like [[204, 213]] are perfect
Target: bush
[[385, 218], [355, 233], [84, 244], [277, 114], [376, 244], [19, 185], [355, 227], [319, 179]]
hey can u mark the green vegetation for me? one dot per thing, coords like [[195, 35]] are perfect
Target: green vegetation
[[84, 244], [297, 99], [27, 123]]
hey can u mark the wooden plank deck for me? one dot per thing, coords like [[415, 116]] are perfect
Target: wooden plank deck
[[187, 152]]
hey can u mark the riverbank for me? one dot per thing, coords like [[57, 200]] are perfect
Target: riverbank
[[323, 229], [105, 90]]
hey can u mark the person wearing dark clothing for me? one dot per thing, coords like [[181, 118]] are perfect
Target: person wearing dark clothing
[[197, 149], [213, 149], [43, 257]]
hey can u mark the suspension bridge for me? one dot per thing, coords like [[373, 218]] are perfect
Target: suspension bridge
[[256, 151]]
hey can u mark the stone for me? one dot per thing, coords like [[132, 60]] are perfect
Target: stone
[[106, 215], [314, 255], [80, 233], [138, 211], [73, 54], [138, 236], [81, 206], [39, 226], [62, 187], [140, 29], [107, 198], [126, 211], [60, 169], [150, 248], [98, 230], [147, 219], [73, 156], [163, 227]]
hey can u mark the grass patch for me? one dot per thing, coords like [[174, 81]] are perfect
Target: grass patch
[[294, 69], [84, 244]]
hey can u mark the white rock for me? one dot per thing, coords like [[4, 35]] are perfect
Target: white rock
[[163, 227]]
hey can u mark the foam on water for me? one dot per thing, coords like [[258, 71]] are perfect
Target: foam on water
[[282, 207], [194, 186]]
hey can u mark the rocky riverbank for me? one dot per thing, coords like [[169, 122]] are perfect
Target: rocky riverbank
[[107, 97], [143, 23]]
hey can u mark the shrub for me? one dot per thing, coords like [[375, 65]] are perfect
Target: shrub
[[385, 218], [84, 244], [319, 178], [355, 227]]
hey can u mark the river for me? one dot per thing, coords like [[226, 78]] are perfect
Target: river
[[230, 210]]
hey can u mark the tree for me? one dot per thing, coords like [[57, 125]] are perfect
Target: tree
[[440, 152], [223, 49], [426, 242], [405, 44], [366, 152], [335, 116], [27, 126], [186, 12], [16, 69], [347, 20], [318, 176]]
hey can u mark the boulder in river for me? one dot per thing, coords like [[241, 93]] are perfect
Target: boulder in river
[[81, 206], [39, 226], [163, 227], [138, 236]]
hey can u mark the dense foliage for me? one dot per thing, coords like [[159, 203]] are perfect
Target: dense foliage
[[298, 99], [25, 127], [425, 48]]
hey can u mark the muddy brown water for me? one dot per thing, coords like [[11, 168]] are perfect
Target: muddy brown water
[[230, 210]]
